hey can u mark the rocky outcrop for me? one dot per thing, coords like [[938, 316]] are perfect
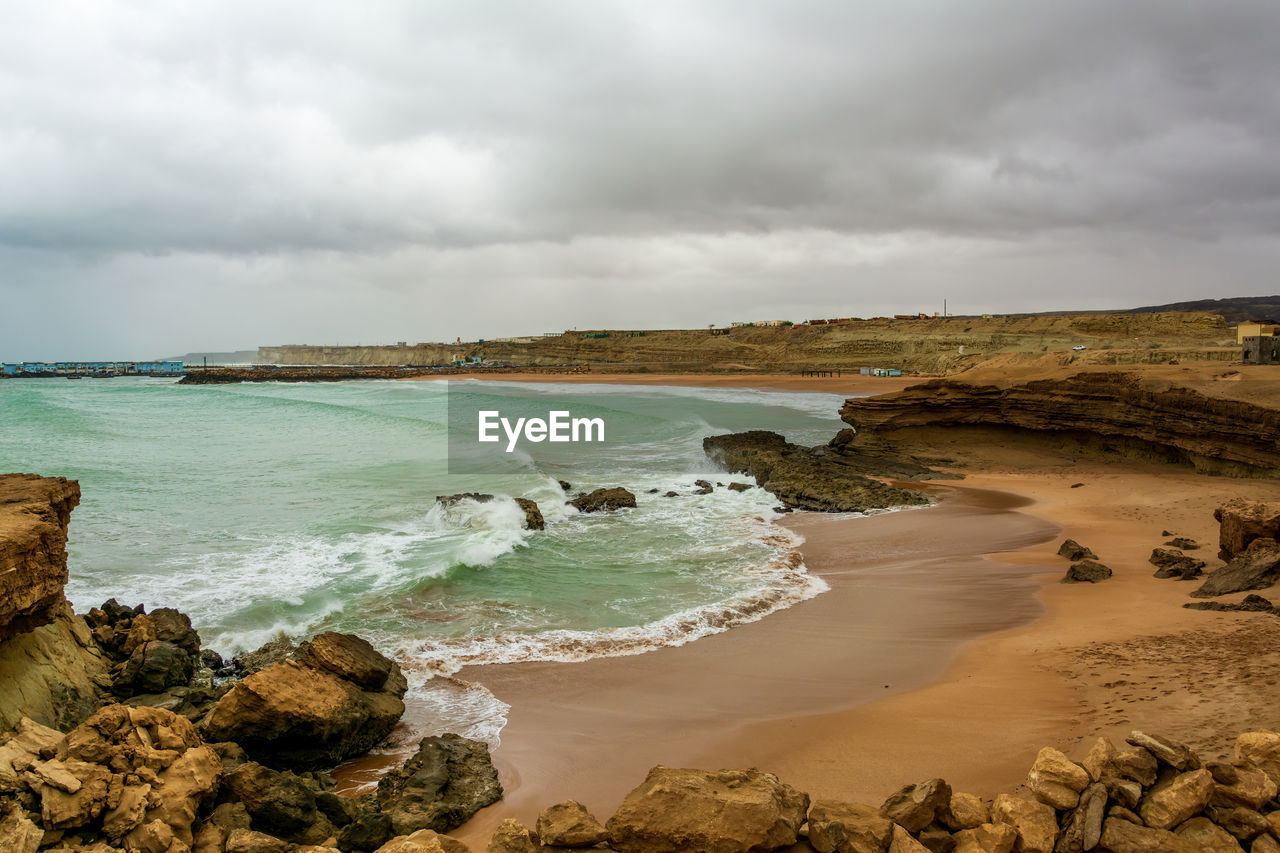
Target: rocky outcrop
[[34, 514], [730, 811], [823, 479], [1241, 521], [1110, 413], [1172, 563], [448, 780], [135, 778], [1256, 567], [336, 699], [604, 500], [50, 668], [1073, 550], [1249, 604]]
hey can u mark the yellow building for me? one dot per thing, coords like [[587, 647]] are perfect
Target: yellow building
[[1253, 330]]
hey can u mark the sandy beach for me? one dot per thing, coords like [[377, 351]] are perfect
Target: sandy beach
[[851, 383], [946, 647]]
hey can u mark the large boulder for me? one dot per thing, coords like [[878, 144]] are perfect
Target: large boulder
[[917, 806], [279, 803], [604, 500], [1177, 799], [1056, 780], [569, 824], [440, 787], [847, 827], [1073, 550], [1241, 521], [1121, 836], [1035, 823], [1256, 567], [512, 836], [986, 838], [727, 811], [1086, 571], [1262, 750], [337, 699]]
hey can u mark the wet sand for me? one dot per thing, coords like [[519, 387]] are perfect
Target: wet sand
[[908, 589]]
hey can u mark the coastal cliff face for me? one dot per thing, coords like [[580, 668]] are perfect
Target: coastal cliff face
[[34, 513], [1115, 413], [50, 668]]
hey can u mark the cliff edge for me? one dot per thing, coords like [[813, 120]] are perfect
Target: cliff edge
[[49, 665]]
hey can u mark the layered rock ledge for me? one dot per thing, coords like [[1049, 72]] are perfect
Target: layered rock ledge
[[1114, 413]]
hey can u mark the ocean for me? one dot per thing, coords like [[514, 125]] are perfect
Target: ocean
[[263, 510]]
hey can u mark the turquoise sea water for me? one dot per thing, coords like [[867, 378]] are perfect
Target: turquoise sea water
[[268, 508]]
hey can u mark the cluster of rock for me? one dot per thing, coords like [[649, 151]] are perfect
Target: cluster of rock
[[600, 500], [1247, 537], [118, 732], [828, 478], [1153, 796], [1084, 567]]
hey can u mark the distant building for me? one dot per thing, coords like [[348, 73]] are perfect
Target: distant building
[[1253, 330], [1261, 349]]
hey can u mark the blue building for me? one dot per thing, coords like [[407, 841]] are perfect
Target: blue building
[[92, 368]]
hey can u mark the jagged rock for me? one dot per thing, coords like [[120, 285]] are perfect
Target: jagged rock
[[366, 832], [900, 841], [917, 806], [1035, 823], [1177, 755], [1125, 792], [1056, 780], [823, 479], [423, 841], [702, 487], [1183, 544], [1082, 827], [729, 811], [268, 654], [1176, 800], [671, 495], [1073, 550], [604, 500], [448, 780], [1244, 824], [533, 519], [18, 834], [569, 824], [1086, 571], [564, 485], [986, 838], [1262, 750], [1242, 521], [278, 803], [936, 838], [738, 487], [847, 827], [511, 836], [1241, 784], [313, 712], [1208, 836], [1257, 567], [1175, 564], [965, 811], [1121, 836]]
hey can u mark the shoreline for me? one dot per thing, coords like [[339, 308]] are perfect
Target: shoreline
[[591, 730], [854, 384]]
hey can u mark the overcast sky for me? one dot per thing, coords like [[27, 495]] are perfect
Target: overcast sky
[[222, 175]]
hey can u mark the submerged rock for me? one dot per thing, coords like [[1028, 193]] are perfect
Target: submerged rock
[[604, 500], [339, 698], [533, 519]]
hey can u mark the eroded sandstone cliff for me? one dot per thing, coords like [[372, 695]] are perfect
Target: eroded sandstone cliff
[[1114, 413], [49, 665]]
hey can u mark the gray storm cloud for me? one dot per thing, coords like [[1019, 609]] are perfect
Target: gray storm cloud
[[217, 175]]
